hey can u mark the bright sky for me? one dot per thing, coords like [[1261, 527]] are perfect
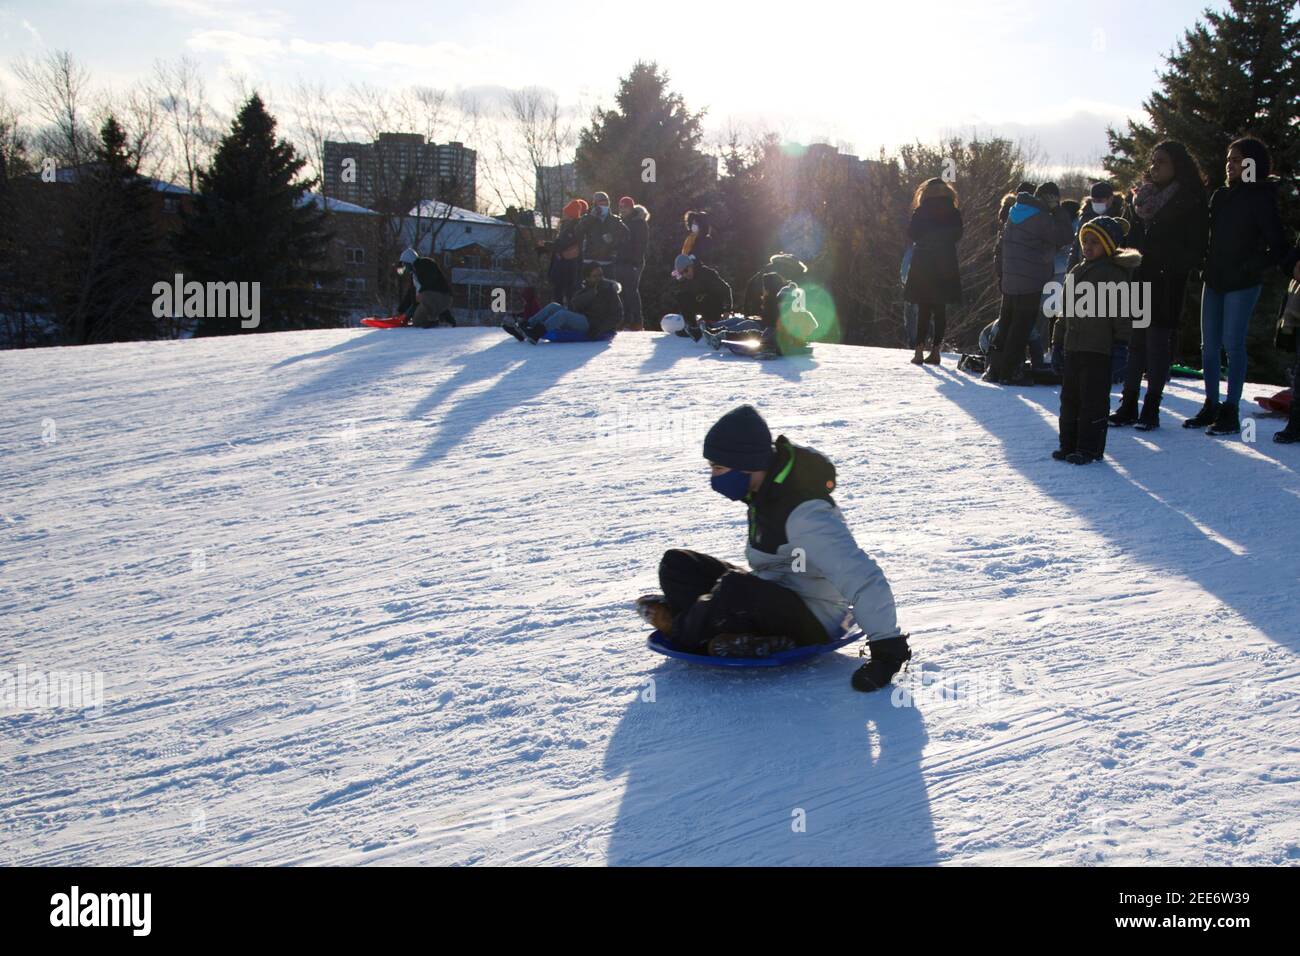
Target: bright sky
[[868, 74]]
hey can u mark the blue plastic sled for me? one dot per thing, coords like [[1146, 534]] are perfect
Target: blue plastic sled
[[659, 644], [568, 335]]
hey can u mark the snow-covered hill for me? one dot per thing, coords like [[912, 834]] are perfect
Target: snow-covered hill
[[363, 597]]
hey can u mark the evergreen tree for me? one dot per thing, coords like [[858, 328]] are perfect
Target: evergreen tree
[[1235, 72], [649, 123], [109, 259], [250, 223]]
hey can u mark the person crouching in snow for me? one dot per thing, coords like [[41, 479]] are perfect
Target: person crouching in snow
[[807, 570], [597, 312], [1088, 340], [426, 300], [703, 296]]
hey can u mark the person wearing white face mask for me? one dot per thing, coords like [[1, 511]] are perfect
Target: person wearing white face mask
[[1100, 201]]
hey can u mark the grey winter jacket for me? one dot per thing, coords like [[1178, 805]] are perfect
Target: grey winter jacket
[[799, 540], [1030, 240]]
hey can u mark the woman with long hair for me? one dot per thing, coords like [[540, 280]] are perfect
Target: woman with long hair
[[1246, 242], [934, 278], [1168, 217]]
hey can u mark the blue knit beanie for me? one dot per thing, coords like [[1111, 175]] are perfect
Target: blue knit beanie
[[740, 439]]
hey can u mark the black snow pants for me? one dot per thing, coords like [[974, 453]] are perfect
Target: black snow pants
[[1015, 323], [1085, 403], [710, 597]]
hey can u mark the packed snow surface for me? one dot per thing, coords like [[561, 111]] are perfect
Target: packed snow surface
[[364, 597]]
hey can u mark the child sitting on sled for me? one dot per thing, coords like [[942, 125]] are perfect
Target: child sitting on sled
[[807, 572]]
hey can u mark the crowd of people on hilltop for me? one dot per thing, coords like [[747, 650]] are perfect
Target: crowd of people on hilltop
[[597, 263], [1161, 235]]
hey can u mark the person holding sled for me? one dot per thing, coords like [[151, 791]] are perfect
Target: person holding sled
[[703, 296], [807, 572], [1089, 340], [596, 313], [426, 300]]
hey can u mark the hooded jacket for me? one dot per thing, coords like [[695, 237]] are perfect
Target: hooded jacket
[[1097, 333], [601, 305], [1030, 239], [1246, 236], [638, 237], [798, 539]]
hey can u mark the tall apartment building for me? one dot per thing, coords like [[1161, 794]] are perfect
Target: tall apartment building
[[554, 187], [401, 168]]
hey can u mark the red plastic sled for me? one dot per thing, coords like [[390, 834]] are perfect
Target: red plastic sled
[[392, 322], [1281, 402]]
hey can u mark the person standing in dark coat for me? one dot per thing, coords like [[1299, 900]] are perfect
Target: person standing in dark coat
[[1168, 217], [1036, 228], [631, 258], [1246, 241], [566, 252], [934, 278], [603, 235], [1088, 340]]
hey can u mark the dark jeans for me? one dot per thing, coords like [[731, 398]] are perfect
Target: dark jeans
[[1015, 324], [629, 277], [710, 597], [1085, 403], [1150, 351], [924, 315]]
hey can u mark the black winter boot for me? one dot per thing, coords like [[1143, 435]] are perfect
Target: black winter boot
[[1204, 417], [887, 658], [1126, 414], [1226, 422]]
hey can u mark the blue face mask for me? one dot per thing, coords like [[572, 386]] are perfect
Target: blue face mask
[[733, 484]]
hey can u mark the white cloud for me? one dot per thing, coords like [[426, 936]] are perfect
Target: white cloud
[[234, 15]]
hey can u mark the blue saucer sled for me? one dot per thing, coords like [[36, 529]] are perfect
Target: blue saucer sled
[[659, 644]]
